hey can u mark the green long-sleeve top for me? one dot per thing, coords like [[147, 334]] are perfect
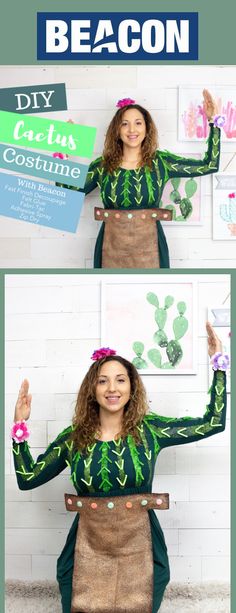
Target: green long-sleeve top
[[142, 188], [120, 466]]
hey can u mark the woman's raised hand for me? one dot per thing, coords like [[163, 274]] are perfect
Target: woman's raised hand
[[214, 343], [208, 104], [23, 403]]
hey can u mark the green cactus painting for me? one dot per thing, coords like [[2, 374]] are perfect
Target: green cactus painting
[[184, 197], [228, 211], [224, 206], [139, 362], [170, 351]]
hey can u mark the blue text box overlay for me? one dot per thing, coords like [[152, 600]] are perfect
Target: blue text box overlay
[[40, 203]]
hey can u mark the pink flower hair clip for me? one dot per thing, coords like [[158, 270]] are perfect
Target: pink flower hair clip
[[19, 431], [125, 102], [103, 352]]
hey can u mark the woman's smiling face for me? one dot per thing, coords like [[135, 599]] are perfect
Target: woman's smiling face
[[133, 128], [113, 387]]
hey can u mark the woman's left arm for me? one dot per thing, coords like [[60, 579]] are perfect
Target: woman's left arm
[[174, 431], [178, 166]]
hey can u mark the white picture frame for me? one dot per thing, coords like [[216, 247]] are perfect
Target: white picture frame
[[192, 121], [224, 206], [127, 317]]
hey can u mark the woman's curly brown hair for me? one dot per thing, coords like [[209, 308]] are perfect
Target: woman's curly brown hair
[[86, 425], [113, 146]]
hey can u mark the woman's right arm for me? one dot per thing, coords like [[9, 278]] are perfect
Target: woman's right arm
[[93, 178], [30, 473]]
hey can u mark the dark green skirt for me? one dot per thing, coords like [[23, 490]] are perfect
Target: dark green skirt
[[160, 562]]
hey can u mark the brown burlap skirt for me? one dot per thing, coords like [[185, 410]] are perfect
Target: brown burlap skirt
[[131, 237], [113, 559]]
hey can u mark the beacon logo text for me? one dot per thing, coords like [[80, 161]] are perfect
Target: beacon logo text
[[117, 36]]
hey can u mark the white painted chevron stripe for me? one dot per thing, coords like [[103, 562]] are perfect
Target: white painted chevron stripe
[[198, 430], [122, 483], [214, 425], [87, 482], [164, 432], [181, 432]]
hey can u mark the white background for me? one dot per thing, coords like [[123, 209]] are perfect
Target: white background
[[92, 95], [52, 328]]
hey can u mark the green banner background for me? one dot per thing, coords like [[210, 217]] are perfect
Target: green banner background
[[84, 136]]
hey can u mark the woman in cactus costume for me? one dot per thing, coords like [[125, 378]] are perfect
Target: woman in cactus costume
[[131, 175], [115, 558]]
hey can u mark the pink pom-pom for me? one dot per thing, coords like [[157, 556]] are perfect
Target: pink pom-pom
[[19, 431], [103, 352], [125, 102], [58, 155]]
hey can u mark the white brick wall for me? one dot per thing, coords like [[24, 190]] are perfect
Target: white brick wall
[[52, 327], [92, 95]]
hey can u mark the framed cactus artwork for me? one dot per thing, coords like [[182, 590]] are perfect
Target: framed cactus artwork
[[224, 206], [183, 198], [151, 324], [193, 124]]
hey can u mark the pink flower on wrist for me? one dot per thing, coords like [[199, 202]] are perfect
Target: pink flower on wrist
[[19, 431]]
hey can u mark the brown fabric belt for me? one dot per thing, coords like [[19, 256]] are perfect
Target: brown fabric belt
[[113, 560], [131, 237]]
